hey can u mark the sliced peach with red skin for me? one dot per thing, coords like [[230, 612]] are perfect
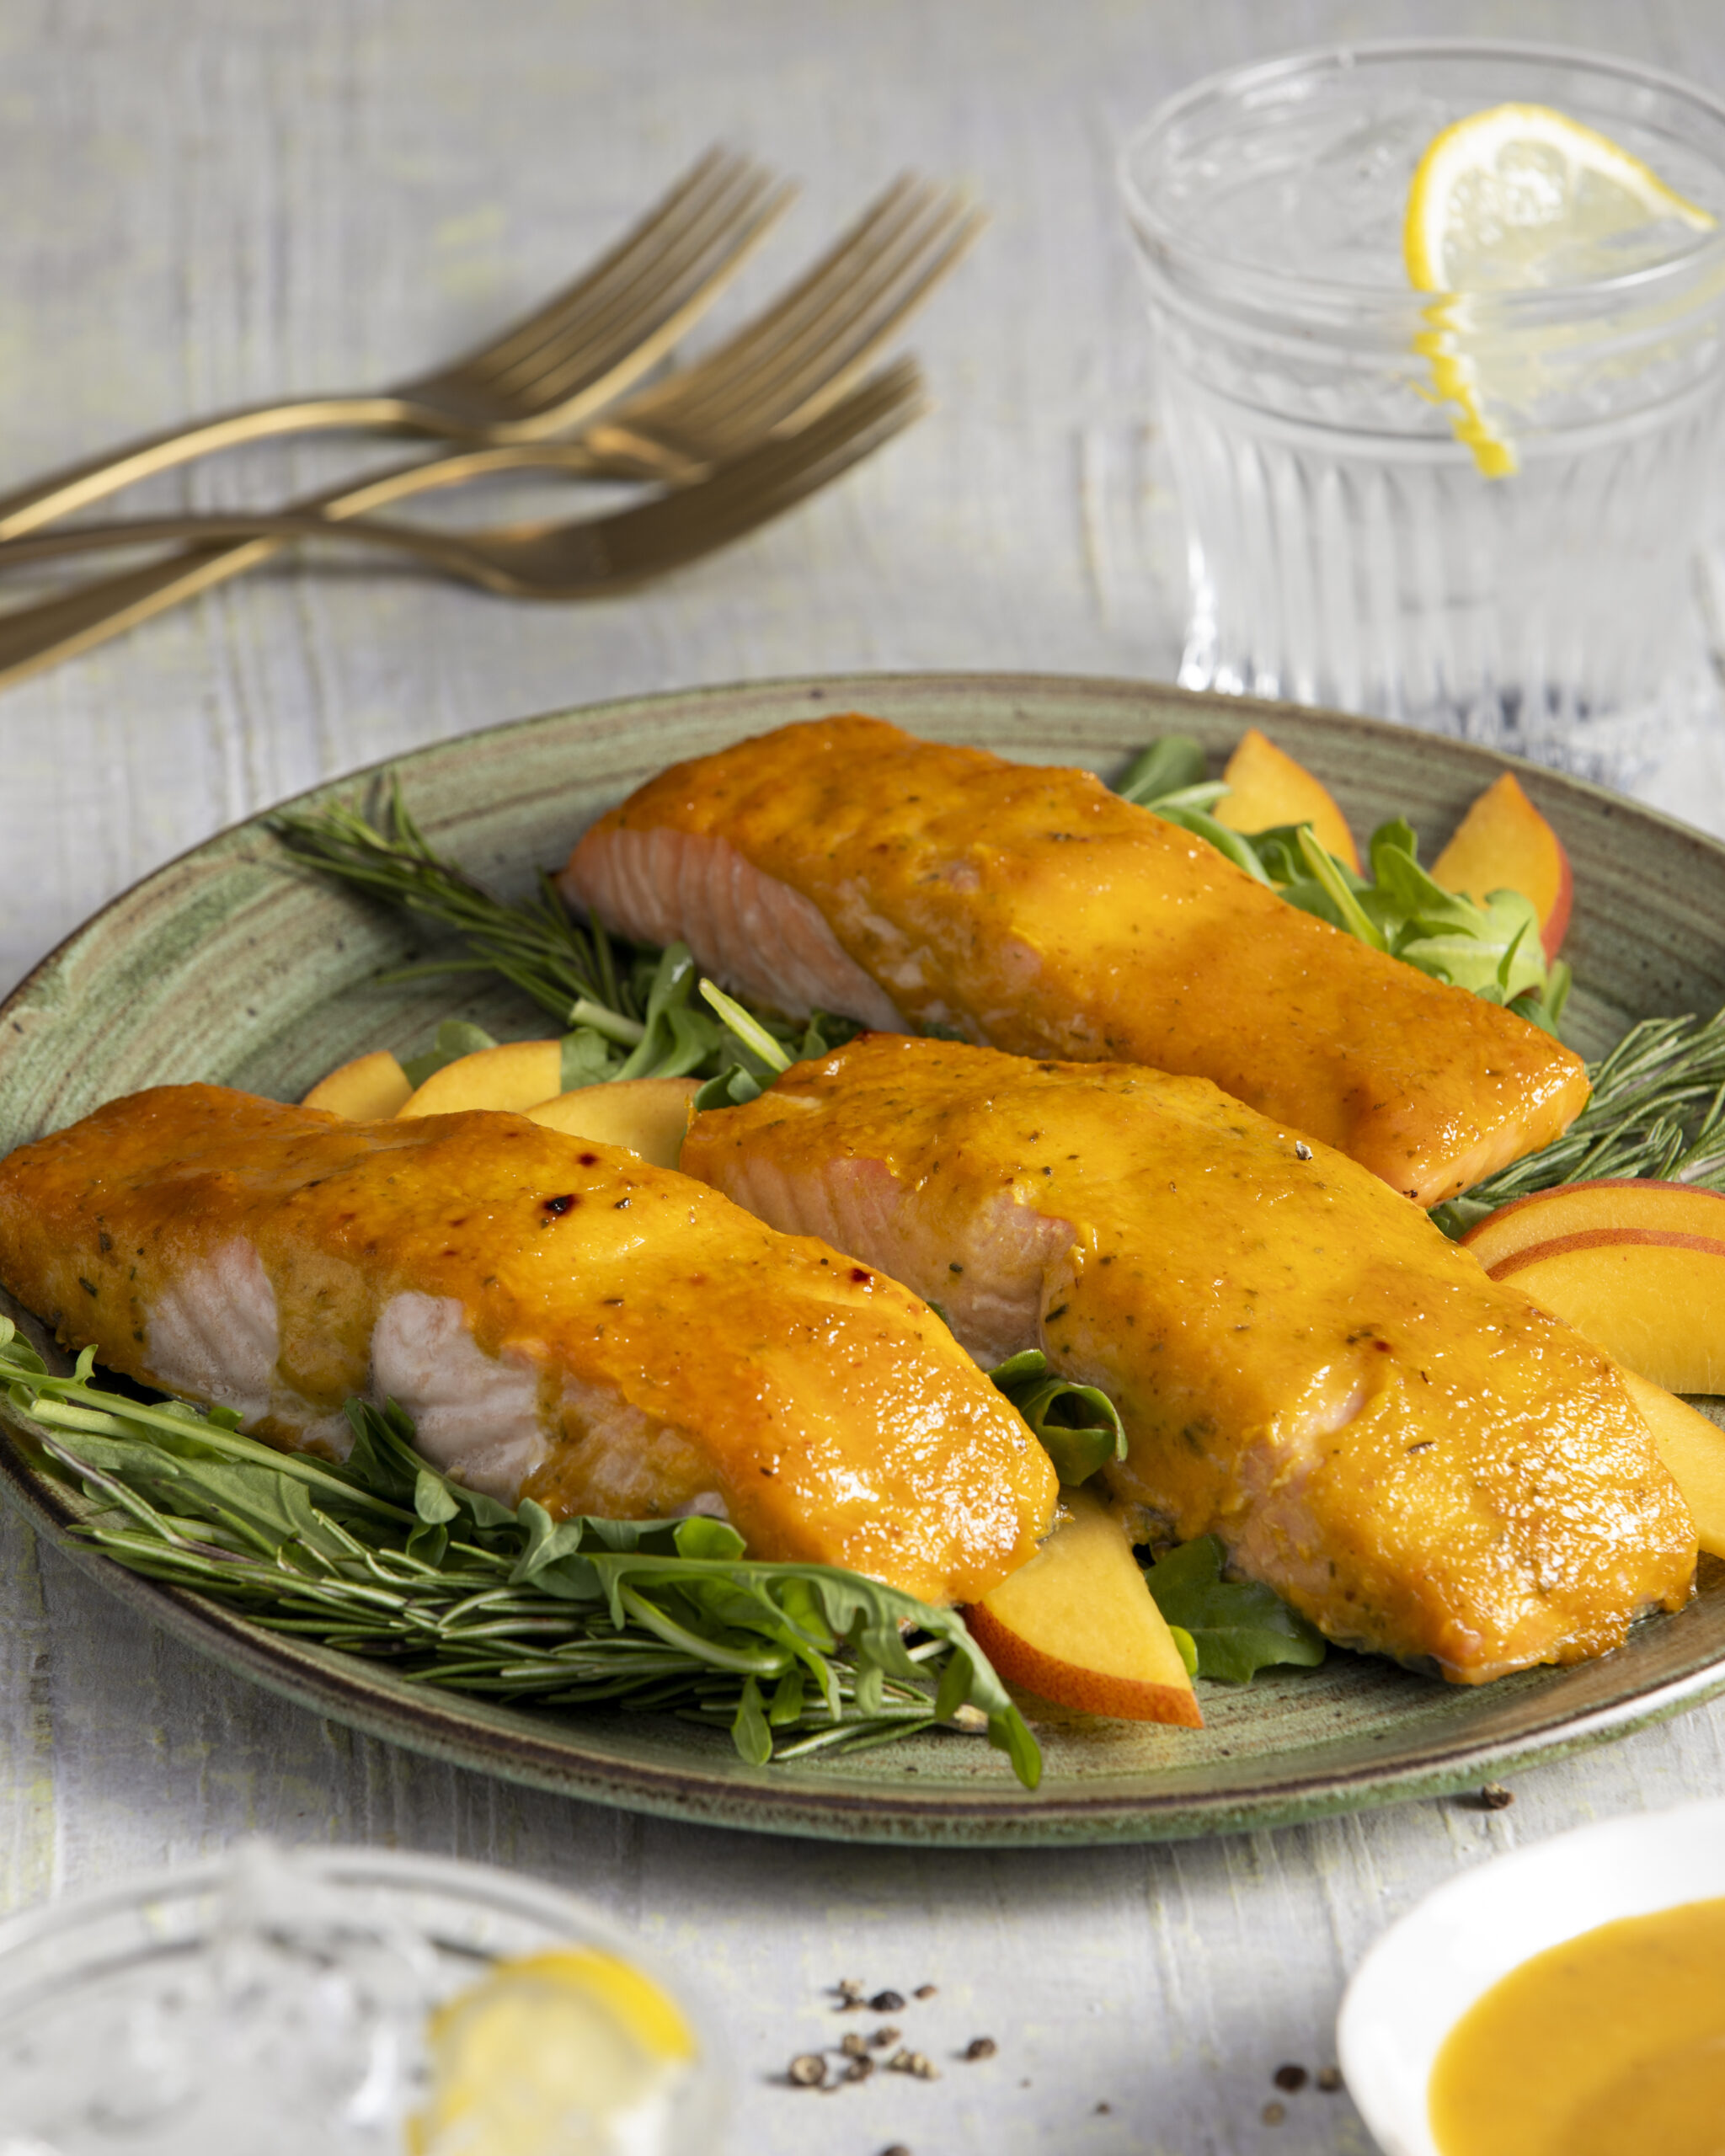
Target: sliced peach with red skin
[[1693, 1449], [1267, 787], [1653, 1299], [365, 1090], [1076, 1625], [1503, 844], [1680, 1208]]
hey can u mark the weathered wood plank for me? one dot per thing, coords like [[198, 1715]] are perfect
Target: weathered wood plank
[[212, 201]]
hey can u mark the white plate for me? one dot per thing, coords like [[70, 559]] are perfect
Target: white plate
[[1426, 1972]]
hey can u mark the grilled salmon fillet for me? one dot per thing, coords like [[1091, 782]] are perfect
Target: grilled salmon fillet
[[846, 866], [561, 1320], [1418, 1458]]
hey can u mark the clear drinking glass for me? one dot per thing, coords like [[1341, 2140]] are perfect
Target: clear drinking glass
[[273, 2002], [1344, 547]]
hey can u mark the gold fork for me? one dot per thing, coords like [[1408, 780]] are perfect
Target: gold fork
[[775, 374], [780, 370], [564, 561], [542, 376]]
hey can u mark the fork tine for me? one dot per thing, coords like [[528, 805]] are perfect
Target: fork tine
[[630, 309], [716, 170], [661, 252], [794, 362], [880, 233], [763, 483], [607, 341], [880, 225], [797, 383]]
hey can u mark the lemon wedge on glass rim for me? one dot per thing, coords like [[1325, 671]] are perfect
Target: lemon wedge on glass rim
[[569, 2053], [1513, 199]]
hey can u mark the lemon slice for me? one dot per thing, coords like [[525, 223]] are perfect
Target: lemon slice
[[1513, 199], [572, 2053]]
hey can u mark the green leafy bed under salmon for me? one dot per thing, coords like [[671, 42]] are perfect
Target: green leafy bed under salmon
[[384, 1558]]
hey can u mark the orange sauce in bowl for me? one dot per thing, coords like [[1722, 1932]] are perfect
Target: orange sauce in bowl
[[1612, 2044]]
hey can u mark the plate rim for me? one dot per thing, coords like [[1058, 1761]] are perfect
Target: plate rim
[[364, 1697], [1495, 760]]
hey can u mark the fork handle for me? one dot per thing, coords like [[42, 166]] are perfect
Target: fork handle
[[38, 635], [204, 529], [77, 485]]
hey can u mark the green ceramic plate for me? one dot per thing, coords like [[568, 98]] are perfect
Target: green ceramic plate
[[230, 964]]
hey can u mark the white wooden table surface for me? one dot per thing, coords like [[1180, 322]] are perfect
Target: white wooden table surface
[[208, 201]]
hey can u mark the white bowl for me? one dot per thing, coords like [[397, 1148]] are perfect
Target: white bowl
[[1426, 1972]]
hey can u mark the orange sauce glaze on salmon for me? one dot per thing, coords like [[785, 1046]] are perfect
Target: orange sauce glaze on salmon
[[620, 1337], [1034, 910], [1413, 1454]]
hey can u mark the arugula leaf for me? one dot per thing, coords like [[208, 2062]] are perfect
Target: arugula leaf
[[1493, 950], [1230, 843], [732, 1088], [753, 1736], [455, 1039], [1167, 767], [1236, 1629], [1079, 1426], [1344, 903], [383, 1459], [763, 1048], [587, 1059], [675, 1039]]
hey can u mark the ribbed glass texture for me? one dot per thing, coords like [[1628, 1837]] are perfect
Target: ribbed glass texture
[[1345, 547], [1333, 570]]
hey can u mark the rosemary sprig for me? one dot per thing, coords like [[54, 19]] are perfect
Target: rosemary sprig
[[632, 1012], [1657, 1108], [534, 944], [383, 1556]]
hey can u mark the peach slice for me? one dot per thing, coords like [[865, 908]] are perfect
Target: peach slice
[[649, 1116], [365, 1090], [1267, 787], [1503, 844], [1681, 1208], [518, 1075], [1077, 1625], [1693, 1449], [1654, 1300]]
